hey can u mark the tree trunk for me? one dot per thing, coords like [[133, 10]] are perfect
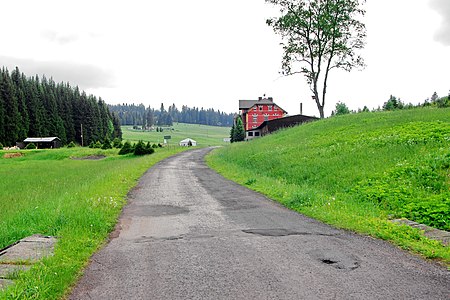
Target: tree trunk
[[322, 115]]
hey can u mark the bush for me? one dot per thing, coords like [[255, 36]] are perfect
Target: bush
[[159, 145], [97, 144], [443, 102], [30, 146], [106, 144], [126, 148], [91, 145], [154, 146], [341, 109], [71, 145], [149, 148], [142, 149], [1, 145], [139, 148], [117, 143]]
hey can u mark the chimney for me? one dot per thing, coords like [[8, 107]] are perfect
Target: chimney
[[270, 99], [259, 98], [301, 108]]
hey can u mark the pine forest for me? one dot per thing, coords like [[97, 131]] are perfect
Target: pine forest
[[38, 107], [146, 117]]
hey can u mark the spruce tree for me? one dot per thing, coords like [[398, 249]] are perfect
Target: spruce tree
[[239, 132], [18, 80], [233, 129], [149, 117], [11, 116]]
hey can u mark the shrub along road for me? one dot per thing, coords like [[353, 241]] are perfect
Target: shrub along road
[[189, 233]]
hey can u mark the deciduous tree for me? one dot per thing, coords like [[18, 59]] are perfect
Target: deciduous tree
[[318, 36], [341, 109]]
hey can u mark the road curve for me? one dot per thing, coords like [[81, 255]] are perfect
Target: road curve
[[188, 233]]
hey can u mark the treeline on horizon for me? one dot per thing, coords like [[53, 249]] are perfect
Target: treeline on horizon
[[39, 107], [395, 103], [146, 117]]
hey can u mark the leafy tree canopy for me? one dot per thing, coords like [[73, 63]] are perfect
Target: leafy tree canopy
[[318, 36]]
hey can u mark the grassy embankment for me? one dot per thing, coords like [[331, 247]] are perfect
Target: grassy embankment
[[204, 135], [78, 201], [356, 172]]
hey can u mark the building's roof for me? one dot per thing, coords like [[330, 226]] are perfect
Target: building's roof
[[187, 140], [288, 121], [41, 139], [247, 104]]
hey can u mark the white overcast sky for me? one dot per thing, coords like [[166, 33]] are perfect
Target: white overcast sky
[[211, 53]]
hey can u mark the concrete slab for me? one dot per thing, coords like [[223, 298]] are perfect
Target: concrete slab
[[7, 270], [430, 232], [30, 249], [4, 283]]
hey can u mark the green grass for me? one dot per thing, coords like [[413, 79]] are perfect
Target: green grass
[[204, 135], [356, 172], [79, 201]]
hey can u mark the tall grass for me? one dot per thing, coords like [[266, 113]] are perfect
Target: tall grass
[[356, 172], [78, 201]]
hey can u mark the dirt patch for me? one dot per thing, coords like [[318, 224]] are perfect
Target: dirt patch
[[12, 155], [90, 157]]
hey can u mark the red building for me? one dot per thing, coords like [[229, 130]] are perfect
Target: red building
[[255, 112]]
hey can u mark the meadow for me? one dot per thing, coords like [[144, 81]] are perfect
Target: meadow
[[78, 201], [356, 172], [204, 135]]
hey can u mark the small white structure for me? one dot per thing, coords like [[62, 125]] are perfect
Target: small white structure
[[188, 142]]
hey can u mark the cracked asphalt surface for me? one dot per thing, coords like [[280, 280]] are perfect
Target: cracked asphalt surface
[[188, 233]]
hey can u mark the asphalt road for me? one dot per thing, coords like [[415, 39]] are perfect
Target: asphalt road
[[188, 233]]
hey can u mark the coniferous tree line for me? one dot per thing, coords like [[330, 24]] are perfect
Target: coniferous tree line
[[39, 107], [139, 115]]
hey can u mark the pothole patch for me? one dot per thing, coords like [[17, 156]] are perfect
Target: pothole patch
[[275, 232], [336, 259], [159, 210], [328, 261]]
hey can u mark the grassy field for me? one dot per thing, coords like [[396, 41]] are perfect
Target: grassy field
[[356, 172], [78, 201], [203, 134]]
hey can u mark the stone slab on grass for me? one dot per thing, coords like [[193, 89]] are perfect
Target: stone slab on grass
[[430, 232], [30, 249], [5, 282], [6, 270]]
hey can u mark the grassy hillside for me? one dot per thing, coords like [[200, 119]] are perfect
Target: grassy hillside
[[79, 201], [356, 172], [204, 135]]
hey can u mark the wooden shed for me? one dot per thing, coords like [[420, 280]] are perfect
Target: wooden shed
[[44, 142]]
